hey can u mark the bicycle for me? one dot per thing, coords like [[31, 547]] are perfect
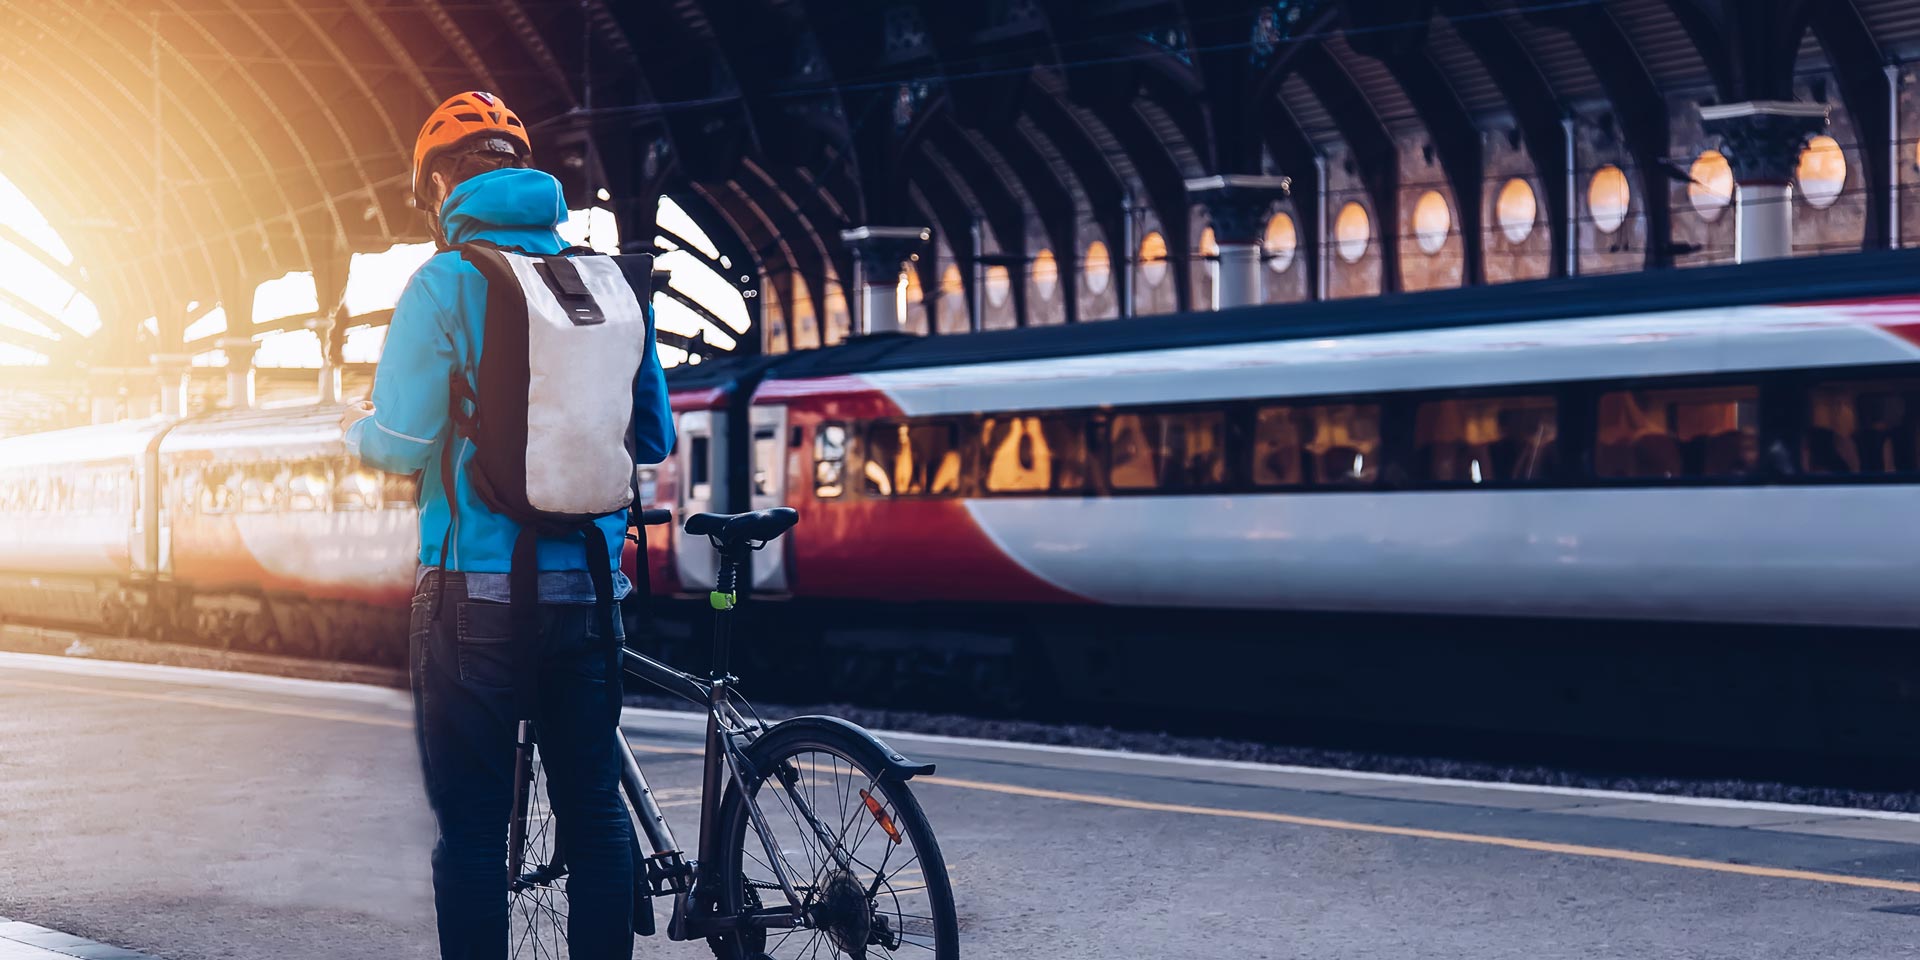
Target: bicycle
[[835, 786]]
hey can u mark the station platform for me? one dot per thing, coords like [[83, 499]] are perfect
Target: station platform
[[185, 814]]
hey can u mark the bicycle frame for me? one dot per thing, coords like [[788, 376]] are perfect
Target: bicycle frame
[[668, 873], [662, 864]]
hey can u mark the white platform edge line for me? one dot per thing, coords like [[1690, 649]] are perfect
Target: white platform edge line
[[203, 677], [382, 696], [1334, 772]]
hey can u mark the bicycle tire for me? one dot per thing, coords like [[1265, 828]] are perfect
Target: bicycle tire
[[924, 919]]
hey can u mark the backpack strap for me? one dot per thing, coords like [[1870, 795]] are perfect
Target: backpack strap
[[599, 567], [523, 613], [460, 397]]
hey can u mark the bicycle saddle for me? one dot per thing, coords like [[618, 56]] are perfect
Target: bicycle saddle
[[737, 529]]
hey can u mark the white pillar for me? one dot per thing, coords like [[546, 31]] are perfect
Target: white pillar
[[880, 307], [1763, 221], [1763, 140], [328, 383], [1239, 282], [105, 389], [173, 390], [1238, 206], [881, 253], [240, 375]]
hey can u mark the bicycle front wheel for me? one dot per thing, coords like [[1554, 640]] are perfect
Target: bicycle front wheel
[[853, 844], [537, 893]]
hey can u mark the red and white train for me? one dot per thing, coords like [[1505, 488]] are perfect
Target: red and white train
[[1734, 449]]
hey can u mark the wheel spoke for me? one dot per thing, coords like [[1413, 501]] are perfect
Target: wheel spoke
[[910, 902], [538, 910]]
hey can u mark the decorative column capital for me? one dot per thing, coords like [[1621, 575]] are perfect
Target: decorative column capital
[[238, 348], [1237, 204], [881, 250], [1763, 138]]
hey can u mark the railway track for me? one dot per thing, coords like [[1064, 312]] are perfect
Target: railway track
[[1574, 767]]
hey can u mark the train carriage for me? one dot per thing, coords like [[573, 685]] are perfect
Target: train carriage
[[1487, 509], [77, 525], [281, 541]]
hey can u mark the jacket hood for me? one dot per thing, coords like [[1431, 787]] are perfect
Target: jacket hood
[[510, 198]]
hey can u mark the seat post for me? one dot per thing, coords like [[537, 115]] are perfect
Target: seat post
[[725, 597]]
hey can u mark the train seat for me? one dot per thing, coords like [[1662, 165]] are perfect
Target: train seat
[[1725, 455], [1657, 455]]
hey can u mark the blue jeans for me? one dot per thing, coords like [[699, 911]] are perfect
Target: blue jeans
[[463, 668]]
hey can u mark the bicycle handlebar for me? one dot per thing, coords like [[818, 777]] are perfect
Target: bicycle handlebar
[[652, 518]]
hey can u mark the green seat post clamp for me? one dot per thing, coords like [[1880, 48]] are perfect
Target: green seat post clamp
[[722, 601]]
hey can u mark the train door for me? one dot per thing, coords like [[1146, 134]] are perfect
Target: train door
[[770, 490], [152, 520], [699, 456]]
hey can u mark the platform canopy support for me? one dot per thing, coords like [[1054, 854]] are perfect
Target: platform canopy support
[[1763, 143], [882, 253]]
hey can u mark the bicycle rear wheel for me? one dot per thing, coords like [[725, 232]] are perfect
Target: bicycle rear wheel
[[853, 843]]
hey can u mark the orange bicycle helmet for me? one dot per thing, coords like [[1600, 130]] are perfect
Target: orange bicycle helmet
[[461, 117]]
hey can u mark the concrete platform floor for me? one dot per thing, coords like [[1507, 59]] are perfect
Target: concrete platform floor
[[186, 815]]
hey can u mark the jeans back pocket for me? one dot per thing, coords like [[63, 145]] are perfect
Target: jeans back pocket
[[483, 643]]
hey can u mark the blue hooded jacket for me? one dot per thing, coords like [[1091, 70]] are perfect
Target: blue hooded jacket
[[436, 328]]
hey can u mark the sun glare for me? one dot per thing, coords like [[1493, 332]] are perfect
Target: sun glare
[[38, 278], [40, 301]]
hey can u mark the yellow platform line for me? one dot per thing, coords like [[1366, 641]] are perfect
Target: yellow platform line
[[1515, 843], [1094, 799]]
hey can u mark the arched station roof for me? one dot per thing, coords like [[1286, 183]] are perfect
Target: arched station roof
[[188, 149]]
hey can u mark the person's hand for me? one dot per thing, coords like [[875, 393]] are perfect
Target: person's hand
[[356, 411]]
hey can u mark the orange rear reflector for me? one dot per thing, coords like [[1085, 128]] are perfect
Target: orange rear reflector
[[879, 815]]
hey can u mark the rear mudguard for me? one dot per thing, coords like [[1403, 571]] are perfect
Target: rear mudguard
[[871, 751]]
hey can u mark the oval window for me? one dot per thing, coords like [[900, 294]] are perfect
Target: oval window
[[999, 284], [1431, 221], [1516, 209], [1046, 274], [1608, 198], [1153, 258], [1352, 231], [1712, 186], [1281, 241], [1823, 171], [1099, 268]]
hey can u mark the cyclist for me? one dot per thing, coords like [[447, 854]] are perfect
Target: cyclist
[[472, 175]]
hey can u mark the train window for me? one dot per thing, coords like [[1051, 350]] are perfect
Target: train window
[[766, 458], [1277, 448], [1318, 445], [647, 481], [830, 460], [308, 487], [263, 488], [1865, 427], [220, 490], [1695, 432], [399, 490], [906, 459], [700, 469], [1168, 451], [357, 489], [1472, 440], [1035, 454]]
